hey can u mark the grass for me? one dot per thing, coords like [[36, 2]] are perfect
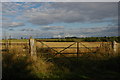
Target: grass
[[46, 40], [87, 69], [18, 65], [60, 68], [61, 45], [16, 68], [15, 40], [66, 44], [60, 40]]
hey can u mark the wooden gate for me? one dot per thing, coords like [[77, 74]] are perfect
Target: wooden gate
[[75, 45]]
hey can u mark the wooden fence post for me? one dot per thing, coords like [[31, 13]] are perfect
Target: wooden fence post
[[32, 45], [115, 46], [77, 49]]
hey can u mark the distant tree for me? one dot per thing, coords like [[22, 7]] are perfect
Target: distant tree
[[21, 37]]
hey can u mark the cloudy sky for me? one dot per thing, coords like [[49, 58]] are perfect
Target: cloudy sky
[[55, 19]]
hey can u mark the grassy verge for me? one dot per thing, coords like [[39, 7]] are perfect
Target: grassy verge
[[88, 69], [20, 66]]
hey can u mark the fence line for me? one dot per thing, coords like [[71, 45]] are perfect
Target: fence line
[[32, 46]]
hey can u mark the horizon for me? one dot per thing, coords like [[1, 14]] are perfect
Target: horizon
[[58, 37]]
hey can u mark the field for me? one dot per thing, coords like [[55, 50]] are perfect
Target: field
[[98, 66], [84, 47]]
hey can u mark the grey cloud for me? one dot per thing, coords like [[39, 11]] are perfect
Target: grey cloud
[[27, 29], [11, 29], [104, 31], [52, 27], [100, 31], [70, 12], [111, 30], [78, 32], [12, 24], [5, 19], [83, 32]]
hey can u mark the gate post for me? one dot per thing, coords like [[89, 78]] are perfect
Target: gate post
[[114, 46], [32, 45], [77, 49]]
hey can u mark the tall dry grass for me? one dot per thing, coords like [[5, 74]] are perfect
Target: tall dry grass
[[19, 65]]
